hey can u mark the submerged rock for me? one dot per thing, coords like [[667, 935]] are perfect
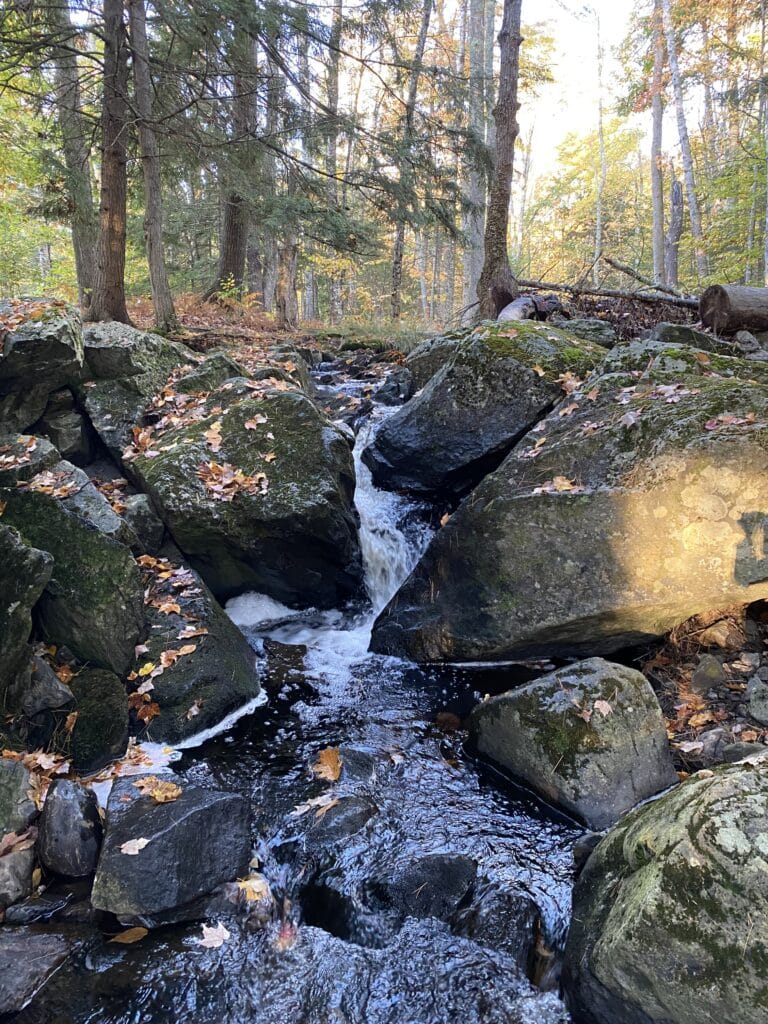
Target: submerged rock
[[286, 525], [498, 383], [185, 848], [28, 959], [611, 524], [93, 600], [670, 910], [70, 830], [590, 738]]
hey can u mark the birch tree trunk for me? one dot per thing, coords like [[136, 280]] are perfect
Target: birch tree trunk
[[108, 302], [657, 172], [162, 298], [76, 151], [689, 178], [497, 287], [674, 234]]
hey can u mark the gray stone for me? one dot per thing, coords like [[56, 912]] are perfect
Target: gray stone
[[194, 844], [17, 810], [746, 342], [669, 913], [397, 388], [506, 920], [40, 703], [430, 356], [16, 876], [590, 738], [24, 573], [144, 523], [757, 695], [708, 674], [733, 752], [683, 334], [69, 432], [589, 329], [100, 733], [70, 830], [23, 456]]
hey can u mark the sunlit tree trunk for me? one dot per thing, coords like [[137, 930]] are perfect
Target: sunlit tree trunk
[[603, 170], [674, 233], [497, 287], [108, 302], [336, 282], [162, 298], [474, 181], [657, 171]]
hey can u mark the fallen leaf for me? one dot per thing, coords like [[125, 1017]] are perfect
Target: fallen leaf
[[700, 718], [631, 418], [319, 804], [539, 370], [14, 842], [130, 936], [162, 791], [254, 423], [148, 712], [254, 888], [69, 723], [444, 519], [213, 936], [328, 764], [134, 846], [603, 707], [194, 711]]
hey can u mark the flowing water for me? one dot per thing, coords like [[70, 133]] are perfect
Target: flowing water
[[407, 893]]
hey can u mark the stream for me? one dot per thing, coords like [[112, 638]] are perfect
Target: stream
[[419, 888]]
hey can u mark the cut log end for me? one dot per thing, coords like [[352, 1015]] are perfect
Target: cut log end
[[726, 309]]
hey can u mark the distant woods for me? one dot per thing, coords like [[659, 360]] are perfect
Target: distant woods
[[332, 161]]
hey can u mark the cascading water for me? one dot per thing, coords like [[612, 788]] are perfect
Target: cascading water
[[392, 538]]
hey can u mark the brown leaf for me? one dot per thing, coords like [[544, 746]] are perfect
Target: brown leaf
[[163, 792], [328, 764], [148, 712], [130, 936]]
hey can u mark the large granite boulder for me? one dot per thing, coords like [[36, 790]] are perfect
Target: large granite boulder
[[41, 349], [669, 917], [430, 356], [160, 857], [639, 504], [499, 382], [93, 601], [202, 667], [590, 738], [24, 573], [256, 487]]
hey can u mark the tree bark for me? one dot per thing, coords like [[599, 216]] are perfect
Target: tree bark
[[335, 282], [398, 248], [474, 183], [286, 304], [726, 309], [702, 264], [497, 287], [108, 301], [603, 172], [657, 170], [76, 151], [162, 298], [674, 234]]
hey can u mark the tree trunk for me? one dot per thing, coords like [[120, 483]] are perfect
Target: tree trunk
[[674, 234], [685, 143], [162, 299], [108, 302], [286, 304], [335, 283], [657, 171], [726, 309], [497, 287], [76, 151], [603, 173], [474, 183], [405, 173]]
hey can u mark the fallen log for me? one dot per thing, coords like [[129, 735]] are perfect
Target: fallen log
[[726, 308], [531, 307], [613, 293]]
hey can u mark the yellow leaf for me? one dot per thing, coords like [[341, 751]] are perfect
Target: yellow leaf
[[255, 888], [328, 764], [160, 791], [147, 668], [130, 935]]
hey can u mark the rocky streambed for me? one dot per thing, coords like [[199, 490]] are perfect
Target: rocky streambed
[[309, 715]]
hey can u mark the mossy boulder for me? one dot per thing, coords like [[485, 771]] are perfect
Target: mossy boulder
[[670, 915], [657, 360], [291, 533], [100, 733], [142, 362], [25, 571], [216, 675], [430, 356], [499, 382], [590, 738], [684, 334], [93, 601], [23, 456], [640, 506]]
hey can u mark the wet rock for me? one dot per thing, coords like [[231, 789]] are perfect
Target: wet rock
[[100, 734], [590, 738], [217, 676], [733, 752], [397, 388], [501, 919], [70, 830], [93, 601], [295, 538], [193, 844], [24, 573], [430, 356], [39, 355], [38, 908], [348, 816], [17, 810], [496, 386], [757, 696], [667, 919], [579, 545], [432, 886], [144, 523], [16, 876], [28, 959], [708, 674], [583, 847]]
